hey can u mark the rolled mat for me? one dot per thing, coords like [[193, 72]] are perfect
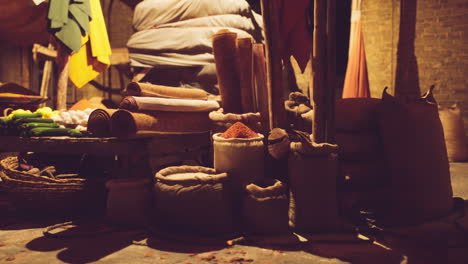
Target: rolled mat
[[246, 74], [180, 121], [99, 122], [227, 70], [136, 103], [153, 90], [125, 123]]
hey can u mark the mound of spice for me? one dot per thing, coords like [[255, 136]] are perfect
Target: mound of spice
[[239, 130]]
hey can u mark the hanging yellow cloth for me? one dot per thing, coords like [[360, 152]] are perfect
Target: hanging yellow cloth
[[93, 56]]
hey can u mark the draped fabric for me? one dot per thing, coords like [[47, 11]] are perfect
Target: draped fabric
[[93, 56], [296, 39], [356, 82]]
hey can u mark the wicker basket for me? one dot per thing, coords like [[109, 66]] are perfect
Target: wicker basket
[[40, 194]]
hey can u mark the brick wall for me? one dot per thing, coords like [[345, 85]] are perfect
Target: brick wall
[[440, 46]]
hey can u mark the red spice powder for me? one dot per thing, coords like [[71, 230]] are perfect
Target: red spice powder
[[239, 130]]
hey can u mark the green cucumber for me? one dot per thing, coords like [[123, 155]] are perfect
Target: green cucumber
[[5, 121], [28, 126], [33, 115], [74, 133], [48, 132], [32, 120]]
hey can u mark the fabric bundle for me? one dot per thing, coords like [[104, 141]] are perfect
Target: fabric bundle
[[227, 70], [152, 90], [245, 53], [176, 34], [125, 123], [136, 103], [80, 26], [99, 122]]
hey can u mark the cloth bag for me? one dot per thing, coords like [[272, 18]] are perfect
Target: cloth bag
[[242, 158], [313, 170], [193, 199], [416, 156]]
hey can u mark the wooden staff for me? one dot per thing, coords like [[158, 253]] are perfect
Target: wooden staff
[[318, 72], [63, 61], [273, 60], [331, 70], [261, 94]]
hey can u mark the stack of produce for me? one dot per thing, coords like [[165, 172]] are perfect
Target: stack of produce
[[362, 167], [36, 124]]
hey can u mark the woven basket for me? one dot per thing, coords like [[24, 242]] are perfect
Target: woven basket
[[40, 194]]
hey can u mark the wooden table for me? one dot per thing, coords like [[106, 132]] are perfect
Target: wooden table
[[140, 156]]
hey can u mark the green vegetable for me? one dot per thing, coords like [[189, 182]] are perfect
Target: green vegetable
[[28, 126], [48, 132], [54, 132], [33, 115], [32, 120], [75, 133], [4, 121]]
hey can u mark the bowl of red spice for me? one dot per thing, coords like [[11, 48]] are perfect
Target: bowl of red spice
[[239, 130]]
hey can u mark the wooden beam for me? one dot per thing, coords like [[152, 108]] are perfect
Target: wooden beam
[[331, 70], [273, 60], [62, 83], [261, 89], [319, 68]]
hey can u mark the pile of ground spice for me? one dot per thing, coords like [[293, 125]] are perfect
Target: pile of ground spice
[[239, 130]]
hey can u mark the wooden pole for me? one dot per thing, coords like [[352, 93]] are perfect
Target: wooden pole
[[331, 70], [273, 60], [244, 46], [63, 65], [319, 72], [261, 94]]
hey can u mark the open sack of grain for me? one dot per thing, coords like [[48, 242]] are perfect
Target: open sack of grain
[[194, 199]]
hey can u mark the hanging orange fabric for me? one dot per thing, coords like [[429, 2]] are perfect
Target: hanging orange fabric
[[356, 82]]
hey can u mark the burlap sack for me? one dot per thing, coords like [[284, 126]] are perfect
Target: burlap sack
[[356, 114], [313, 170], [454, 132], [222, 121], [129, 201], [193, 199], [363, 175], [416, 156], [359, 145], [242, 158], [265, 208]]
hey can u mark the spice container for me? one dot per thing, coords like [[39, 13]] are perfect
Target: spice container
[[240, 152]]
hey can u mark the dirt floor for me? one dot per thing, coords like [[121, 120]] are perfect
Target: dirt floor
[[22, 241]]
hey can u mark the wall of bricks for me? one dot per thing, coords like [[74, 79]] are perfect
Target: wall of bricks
[[440, 46]]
